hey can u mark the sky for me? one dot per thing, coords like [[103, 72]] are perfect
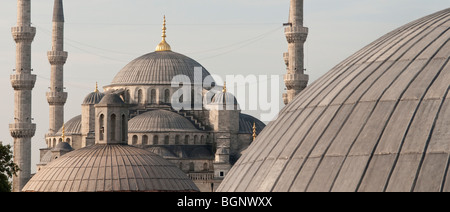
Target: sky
[[228, 37]]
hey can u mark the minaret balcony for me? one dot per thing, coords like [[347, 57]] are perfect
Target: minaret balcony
[[23, 33], [23, 81], [296, 34], [22, 130], [296, 81], [56, 98], [57, 57]]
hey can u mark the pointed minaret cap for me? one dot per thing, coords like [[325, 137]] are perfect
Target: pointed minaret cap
[[163, 46], [58, 12]]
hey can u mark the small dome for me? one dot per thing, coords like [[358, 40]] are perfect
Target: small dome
[[158, 68], [246, 124], [111, 99], [110, 168], [160, 121], [72, 127], [93, 98], [63, 146], [224, 98]]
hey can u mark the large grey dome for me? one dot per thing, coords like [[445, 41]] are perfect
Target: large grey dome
[[160, 121], [378, 121], [157, 68], [110, 168]]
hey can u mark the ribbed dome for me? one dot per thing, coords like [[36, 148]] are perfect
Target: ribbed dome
[[160, 121], [224, 98], [110, 168], [157, 68], [378, 121], [73, 126], [93, 98], [246, 124]]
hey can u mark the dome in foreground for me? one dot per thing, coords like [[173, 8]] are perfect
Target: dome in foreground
[[378, 121], [110, 168], [158, 68]]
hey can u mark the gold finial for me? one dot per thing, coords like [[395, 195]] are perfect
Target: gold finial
[[63, 133], [96, 87], [254, 131], [224, 90], [163, 46]]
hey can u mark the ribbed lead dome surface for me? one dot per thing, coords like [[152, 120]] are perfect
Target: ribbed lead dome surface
[[110, 168], [160, 121], [157, 68], [378, 121]]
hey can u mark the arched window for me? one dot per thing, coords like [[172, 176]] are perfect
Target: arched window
[[113, 127], [127, 96], [134, 140], [124, 128], [195, 139], [186, 140], [177, 139], [101, 122], [155, 140], [54, 142], [205, 167], [166, 140], [167, 96], [202, 139], [60, 140], [153, 96], [145, 140], [140, 97], [191, 166]]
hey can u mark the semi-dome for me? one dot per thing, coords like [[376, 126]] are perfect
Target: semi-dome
[[110, 168], [378, 121], [160, 121], [158, 68]]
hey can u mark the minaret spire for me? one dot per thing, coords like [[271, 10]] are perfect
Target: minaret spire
[[56, 97], [296, 80], [22, 130]]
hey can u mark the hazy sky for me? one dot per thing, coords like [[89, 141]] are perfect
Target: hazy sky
[[225, 36]]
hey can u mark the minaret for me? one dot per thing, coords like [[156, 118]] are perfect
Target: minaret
[[22, 130], [296, 80], [56, 97]]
